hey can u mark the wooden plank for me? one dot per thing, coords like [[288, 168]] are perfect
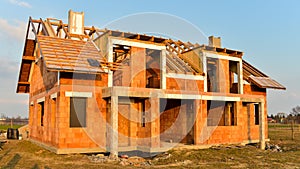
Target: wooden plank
[[23, 83], [35, 21], [31, 58], [44, 29]]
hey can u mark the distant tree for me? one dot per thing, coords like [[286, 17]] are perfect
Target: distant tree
[[3, 116], [293, 116], [277, 118], [272, 116], [295, 111], [18, 117]]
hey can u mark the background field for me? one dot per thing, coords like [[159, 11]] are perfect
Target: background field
[[23, 154]]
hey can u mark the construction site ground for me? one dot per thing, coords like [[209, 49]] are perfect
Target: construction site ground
[[283, 152]]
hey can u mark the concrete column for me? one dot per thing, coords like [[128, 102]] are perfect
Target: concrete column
[[113, 140], [155, 122], [110, 59], [262, 125], [205, 72], [163, 62], [197, 127], [240, 78], [133, 125], [228, 108]]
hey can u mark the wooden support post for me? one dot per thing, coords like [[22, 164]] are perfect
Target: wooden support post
[[114, 127], [262, 125], [293, 128]]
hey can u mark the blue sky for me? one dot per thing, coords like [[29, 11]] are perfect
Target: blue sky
[[266, 31]]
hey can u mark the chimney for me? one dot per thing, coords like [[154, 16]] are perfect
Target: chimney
[[76, 22], [214, 41]]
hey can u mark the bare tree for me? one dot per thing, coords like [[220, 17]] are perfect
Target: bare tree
[[295, 111], [293, 115]]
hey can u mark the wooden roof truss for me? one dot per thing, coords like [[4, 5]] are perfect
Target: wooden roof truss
[[56, 28], [255, 76]]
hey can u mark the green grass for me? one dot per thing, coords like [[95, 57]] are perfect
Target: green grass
[[5, 127]]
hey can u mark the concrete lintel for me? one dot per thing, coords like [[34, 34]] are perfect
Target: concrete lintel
[[129, 92], [121, 41], [159, 93], [106, 92], [252, 100], [221, 98], [182, 96], [214, 55], [53, 96], [79, 94], [42, 99], [185, 76]]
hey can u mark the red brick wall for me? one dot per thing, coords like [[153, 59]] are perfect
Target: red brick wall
[[138, 67], [90, 136], [174, 123], [243, 131], [224, 82], [56, 129], [184, 84], [254, 90]]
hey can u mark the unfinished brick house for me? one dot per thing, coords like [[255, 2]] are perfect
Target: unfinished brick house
[[99, 90]]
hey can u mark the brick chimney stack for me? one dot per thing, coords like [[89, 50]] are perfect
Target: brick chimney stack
[[214, 41], [76, 23]]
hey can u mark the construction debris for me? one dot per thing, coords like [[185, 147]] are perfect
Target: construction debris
[[123, 160], [273, 147], [162, 156]]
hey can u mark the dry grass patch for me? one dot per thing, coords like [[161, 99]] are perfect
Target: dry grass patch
[[24, 154]]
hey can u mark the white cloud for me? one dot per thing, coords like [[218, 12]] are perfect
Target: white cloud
[[20, 3], [15, 30]]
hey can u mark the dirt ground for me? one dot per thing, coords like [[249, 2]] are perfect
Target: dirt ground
[[23, 154]]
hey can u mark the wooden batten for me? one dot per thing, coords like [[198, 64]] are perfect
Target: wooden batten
[[29, 58]]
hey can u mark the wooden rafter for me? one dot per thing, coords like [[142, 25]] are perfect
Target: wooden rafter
[[30, 58]]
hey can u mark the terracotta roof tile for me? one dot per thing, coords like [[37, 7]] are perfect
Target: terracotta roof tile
[[260, 79], [69, 55], [266, 82]]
